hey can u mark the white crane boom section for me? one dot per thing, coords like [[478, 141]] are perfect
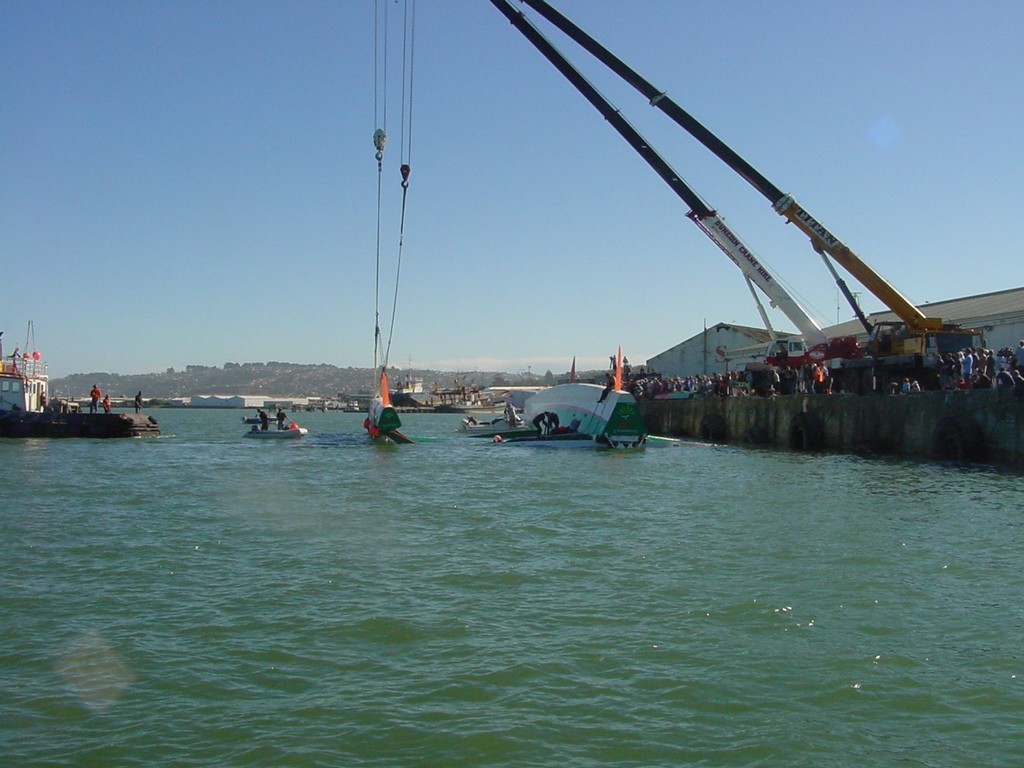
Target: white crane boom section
[[718, 231]]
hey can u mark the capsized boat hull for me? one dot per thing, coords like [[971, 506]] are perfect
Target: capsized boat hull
[[382, 422], [609, 418]]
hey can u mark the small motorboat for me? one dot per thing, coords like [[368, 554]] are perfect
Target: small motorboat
[[508, 425], [291, 432]]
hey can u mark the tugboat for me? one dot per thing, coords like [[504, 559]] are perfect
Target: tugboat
[[26, 409]]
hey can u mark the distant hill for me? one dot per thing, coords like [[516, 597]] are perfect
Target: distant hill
[[274, 378]]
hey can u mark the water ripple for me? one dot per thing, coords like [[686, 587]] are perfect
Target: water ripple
[[201, 600]]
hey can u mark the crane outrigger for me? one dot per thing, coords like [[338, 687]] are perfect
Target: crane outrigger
[[899, 347]]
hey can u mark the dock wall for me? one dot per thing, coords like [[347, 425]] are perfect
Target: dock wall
[[975, 425]]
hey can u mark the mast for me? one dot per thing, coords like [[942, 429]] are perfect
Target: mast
[[382, 420]]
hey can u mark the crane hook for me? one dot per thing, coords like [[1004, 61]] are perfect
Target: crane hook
[[380, 139]]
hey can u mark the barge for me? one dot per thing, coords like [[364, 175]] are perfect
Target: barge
[[27, 411]]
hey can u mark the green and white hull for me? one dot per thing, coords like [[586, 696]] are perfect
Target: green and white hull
[[382, 423], [608, 418]]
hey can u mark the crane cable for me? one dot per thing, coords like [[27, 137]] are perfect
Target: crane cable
[[380, 352]]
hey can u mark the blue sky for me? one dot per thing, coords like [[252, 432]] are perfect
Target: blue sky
[[194, 182]]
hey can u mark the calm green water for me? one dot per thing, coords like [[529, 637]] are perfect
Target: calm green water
[[204, 600]]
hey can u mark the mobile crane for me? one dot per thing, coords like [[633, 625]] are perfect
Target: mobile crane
[[814, 345], [899, 348]]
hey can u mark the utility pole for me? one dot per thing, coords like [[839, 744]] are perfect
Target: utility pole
[[705, 346]]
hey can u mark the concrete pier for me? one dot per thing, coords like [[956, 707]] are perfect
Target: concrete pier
[[973, 425]]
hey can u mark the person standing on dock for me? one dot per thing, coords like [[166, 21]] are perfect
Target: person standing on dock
[[94, 398], [138, 401], [106, 403]]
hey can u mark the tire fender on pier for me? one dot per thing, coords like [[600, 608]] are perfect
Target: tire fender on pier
[[756, 436], [807, 432], [958, 439], [712, 428]]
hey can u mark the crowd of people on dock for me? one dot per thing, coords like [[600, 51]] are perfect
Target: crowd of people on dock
[[807, 379], [983, 369], [963, 370], [650, 385]]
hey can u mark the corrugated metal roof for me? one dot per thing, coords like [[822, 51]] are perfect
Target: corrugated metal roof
[[969, 309]]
